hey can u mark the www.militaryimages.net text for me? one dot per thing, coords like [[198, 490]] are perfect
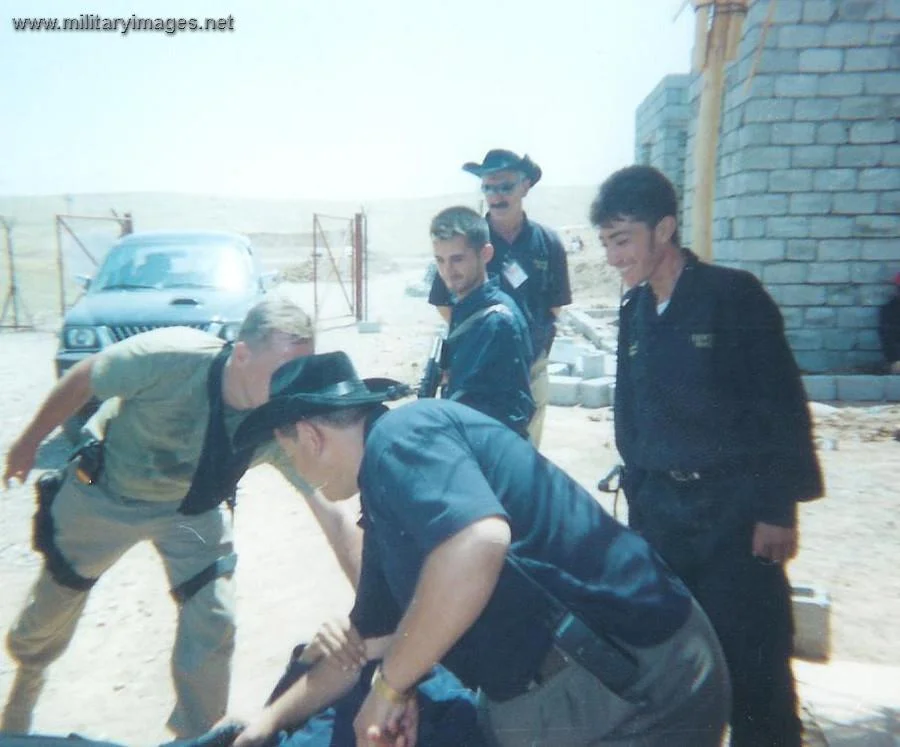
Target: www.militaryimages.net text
[[94, 22]]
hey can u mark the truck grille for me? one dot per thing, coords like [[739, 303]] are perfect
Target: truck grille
[[124, 331]]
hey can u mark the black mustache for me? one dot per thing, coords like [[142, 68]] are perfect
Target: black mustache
[[500, 205]]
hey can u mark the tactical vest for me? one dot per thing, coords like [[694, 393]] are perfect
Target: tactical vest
[[220, 467]]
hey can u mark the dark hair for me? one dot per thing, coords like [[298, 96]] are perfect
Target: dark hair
[[638, 193], [340, 418], [460, 221]]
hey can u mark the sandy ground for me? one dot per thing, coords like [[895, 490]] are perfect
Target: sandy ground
[[113, 682]]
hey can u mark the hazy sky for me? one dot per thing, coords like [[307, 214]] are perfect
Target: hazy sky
[[340, 99]]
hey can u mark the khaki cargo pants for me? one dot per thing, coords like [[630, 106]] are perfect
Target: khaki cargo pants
[[540, 392], [94, 528], [682, 699]]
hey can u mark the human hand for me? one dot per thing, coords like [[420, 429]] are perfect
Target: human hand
[[774, 543], [382, 722], [338, 640], [19, 461], [257, 732]]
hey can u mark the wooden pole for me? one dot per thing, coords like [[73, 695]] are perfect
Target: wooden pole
[[701, 35], [706, 143]]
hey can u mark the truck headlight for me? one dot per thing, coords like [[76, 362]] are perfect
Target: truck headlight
[[81, 338]]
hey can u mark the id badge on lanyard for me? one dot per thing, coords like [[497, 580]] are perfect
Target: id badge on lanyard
[[514, 273]]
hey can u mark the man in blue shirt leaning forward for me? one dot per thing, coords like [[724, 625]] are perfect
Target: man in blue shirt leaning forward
[[481, 554]]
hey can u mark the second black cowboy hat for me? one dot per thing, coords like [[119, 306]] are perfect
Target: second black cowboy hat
[[309, 386], [505, 160]]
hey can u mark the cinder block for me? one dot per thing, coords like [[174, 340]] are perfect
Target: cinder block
[[801, 36], [801, 250], [873, 132], [559, 369], [564, 350], [788, 227], [784, 272], [815, 156], [860, 388], [858, 157], [819, 317], [808, 203], [868, 58], [828, 272], [821, 60], [564, 390], [816, 110], [835, 180], [796, 85], [820, 388], [892, 388], [813, 360], [610, 364], [804, 339], [365, 327], [830, 227], [791, 180], [593, 365], [847, 35], [879, 179], [595, 392], [846, 84], [811, 606]]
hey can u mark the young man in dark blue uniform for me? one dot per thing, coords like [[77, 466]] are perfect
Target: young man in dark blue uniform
[[488, 346], [529, 260], [713, 427], [483, 555]]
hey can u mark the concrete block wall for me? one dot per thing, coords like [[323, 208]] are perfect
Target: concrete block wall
[[808, 186], [661, 128]]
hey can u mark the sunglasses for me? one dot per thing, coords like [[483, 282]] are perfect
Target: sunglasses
[[503, 188]]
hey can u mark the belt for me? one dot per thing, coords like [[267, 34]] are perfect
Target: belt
[[708, 473]]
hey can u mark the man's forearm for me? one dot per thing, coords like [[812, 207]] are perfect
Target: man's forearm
[[455, 584], [344, 535], [319, 688], [71, 393]]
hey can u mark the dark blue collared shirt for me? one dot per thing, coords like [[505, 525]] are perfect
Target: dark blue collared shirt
[[489, 363], [430, 469]]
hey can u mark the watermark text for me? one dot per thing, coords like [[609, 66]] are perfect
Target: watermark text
[[87, 22]]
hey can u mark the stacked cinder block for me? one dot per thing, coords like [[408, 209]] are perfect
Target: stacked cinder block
[[808, 188], [583, 365]]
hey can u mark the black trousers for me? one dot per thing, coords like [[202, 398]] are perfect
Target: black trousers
[[704, 529]]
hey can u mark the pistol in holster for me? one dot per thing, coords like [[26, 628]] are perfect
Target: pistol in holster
[[43, 537], [88, 461]]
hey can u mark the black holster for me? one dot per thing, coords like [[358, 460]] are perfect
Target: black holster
[[43, 538]]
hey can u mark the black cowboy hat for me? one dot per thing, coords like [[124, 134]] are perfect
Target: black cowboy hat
[[505, 160], [309, 386]]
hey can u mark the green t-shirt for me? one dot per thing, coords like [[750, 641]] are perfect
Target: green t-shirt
[[154, 422]]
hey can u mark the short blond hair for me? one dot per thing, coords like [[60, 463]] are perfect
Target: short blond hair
[[275, 314]]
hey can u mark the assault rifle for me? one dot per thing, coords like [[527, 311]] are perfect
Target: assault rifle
[[434, 370]]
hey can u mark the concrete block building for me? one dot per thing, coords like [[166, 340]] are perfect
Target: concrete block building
[[808, 175]]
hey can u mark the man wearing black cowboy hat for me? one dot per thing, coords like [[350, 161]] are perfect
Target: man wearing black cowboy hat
[[483, 555], [529, 259]]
